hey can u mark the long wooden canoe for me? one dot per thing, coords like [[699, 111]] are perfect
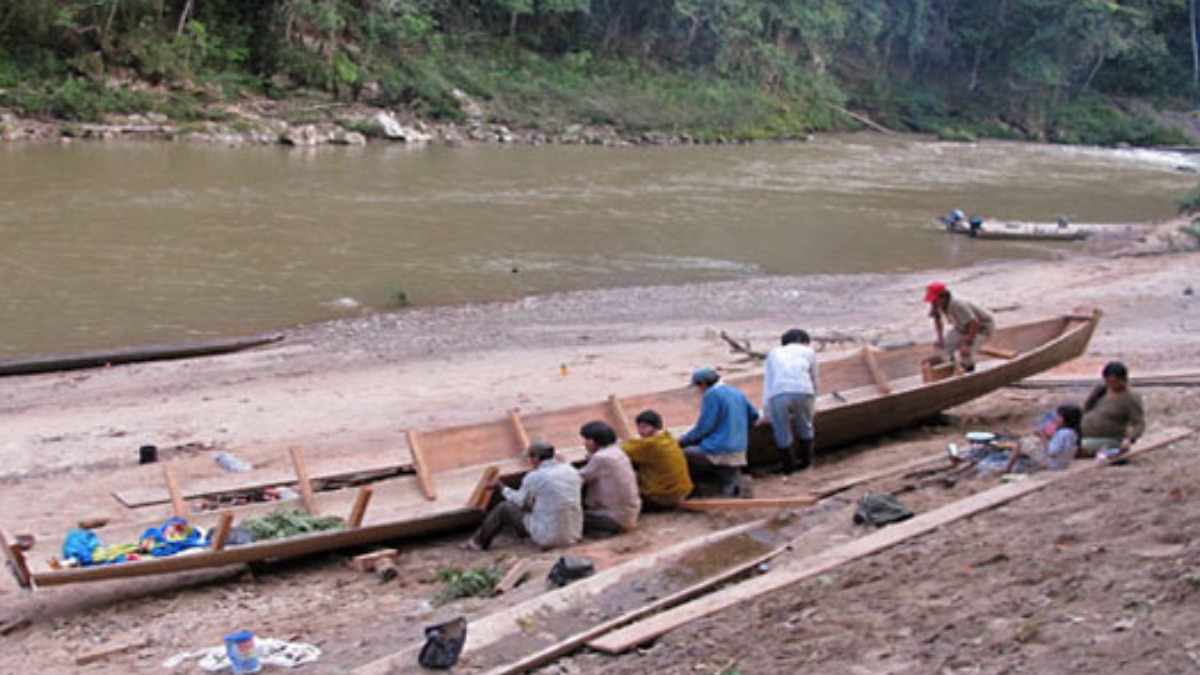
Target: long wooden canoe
[[112, 357], [1022, 230], [863, 392]]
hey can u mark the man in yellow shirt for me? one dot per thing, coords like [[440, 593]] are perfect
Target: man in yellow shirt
[[662, 469]]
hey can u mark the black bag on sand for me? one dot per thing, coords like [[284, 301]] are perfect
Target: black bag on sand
[[569, 568], [443, 643], [879, 510]]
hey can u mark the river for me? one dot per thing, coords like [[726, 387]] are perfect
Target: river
[[118, 244]]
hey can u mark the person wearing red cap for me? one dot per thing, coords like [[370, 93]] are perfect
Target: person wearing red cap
[[970, 324]]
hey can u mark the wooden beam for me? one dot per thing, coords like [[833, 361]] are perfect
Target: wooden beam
[[881, 380], [421, 465], [366, 562], [518, 425], [624, 428], [112, 649], [178, 506], [545, 656], [746, 504], [16, 561], [998, 352], [833, 487], [626, 638], [359, 510], [222, 534], [481, 496], [512, 577], [306, 489]]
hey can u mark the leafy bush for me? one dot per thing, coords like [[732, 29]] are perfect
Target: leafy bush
[[477, 582]]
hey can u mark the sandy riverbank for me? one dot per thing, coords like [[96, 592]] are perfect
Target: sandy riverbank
[[355, 382]]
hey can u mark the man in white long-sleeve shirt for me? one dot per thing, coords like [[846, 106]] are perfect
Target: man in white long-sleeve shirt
[[789, 397]]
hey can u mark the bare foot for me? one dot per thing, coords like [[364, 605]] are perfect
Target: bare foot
[[470, 545]]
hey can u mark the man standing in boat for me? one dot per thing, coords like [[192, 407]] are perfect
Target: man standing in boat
[[970, 325], [546, 508], [717, 444], [789, 395]]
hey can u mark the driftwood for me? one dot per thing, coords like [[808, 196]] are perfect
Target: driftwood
[[100, 359], [867, 121]]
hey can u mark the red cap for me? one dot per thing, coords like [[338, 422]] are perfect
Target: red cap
[[934, 291]]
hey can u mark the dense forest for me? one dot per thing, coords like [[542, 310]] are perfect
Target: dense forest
[[1095, 71]]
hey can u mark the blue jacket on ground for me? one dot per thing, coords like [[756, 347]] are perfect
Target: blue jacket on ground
[[726, 416]]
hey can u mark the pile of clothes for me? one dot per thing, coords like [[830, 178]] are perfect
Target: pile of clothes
[[83, 548]]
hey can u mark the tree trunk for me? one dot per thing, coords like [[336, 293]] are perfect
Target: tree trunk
[[1195, 44], [183, 16]]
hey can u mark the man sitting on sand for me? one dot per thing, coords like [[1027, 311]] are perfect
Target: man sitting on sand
[[610, 503], [1113, 415], [970, 325], [546, 508], [717, 445], [662, 470]]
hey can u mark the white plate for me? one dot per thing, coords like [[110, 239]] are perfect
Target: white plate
[[980, 436]]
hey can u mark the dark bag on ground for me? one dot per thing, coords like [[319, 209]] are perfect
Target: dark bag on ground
[[569, 568], [879, 510], [443, 643]]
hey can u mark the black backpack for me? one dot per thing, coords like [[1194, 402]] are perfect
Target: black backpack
[[443, 643]]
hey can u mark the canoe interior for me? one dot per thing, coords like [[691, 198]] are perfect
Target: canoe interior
[[864, 391]]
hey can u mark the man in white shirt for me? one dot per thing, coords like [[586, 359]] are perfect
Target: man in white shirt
[[789, 397]]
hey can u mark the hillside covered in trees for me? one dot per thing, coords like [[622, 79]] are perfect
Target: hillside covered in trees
[[1091, 71]]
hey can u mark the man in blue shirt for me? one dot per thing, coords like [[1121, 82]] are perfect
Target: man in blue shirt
[[716, 446]]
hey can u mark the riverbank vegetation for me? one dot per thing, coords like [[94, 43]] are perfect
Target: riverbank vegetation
[[1089, 71]]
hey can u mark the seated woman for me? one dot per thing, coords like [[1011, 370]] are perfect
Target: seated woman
[[1048, 449], [1114, 417]]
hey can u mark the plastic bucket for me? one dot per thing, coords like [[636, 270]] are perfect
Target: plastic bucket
[[243, 653], [147, 454]]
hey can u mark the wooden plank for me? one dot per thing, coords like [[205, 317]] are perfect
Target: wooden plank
[[16, 560], [842, 484], [501, 627], [514, 416], [512, 577], [998, 352], [100, 359], [112, 649], [367, 561], [545, 656], [629, 637], [222, 534], [624, 428], [881, 380], [306, 489], [421, 464], [481, 496], [359, 510], [178, 507], [746, 504]]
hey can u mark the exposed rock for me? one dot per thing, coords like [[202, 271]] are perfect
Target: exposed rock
[[393, 130]]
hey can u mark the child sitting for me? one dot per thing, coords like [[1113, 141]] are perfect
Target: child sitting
[[1053, 445]]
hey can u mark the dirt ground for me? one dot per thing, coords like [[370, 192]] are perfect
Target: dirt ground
[[1101, 574]]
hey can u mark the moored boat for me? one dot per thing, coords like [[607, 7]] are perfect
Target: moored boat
[[440, 486], [985, 228]]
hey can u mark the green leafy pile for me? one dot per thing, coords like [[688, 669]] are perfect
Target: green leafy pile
[[289, 523], [477, 582]]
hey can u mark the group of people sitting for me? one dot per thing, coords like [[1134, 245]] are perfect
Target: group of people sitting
[[1110, 421], [556, 504]]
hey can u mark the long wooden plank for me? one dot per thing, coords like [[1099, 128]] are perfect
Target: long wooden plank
[[359, 510], [835, 486], [306, 489], [548, 654], [747, 504], [16, 561], [178, 507], [522, 435], [629, 637], [624, 428], [502, 626], [421, 464], [881, 380], [112, 357]]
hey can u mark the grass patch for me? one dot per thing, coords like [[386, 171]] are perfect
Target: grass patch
[[476, 582]]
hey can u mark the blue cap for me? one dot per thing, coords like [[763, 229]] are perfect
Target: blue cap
[[705, 375]]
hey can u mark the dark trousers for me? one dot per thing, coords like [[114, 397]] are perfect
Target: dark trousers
[[727, 478], [505, 515], [599, 527]]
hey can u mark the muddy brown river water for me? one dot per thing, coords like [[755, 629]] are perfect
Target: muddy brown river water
[[115, 244]]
